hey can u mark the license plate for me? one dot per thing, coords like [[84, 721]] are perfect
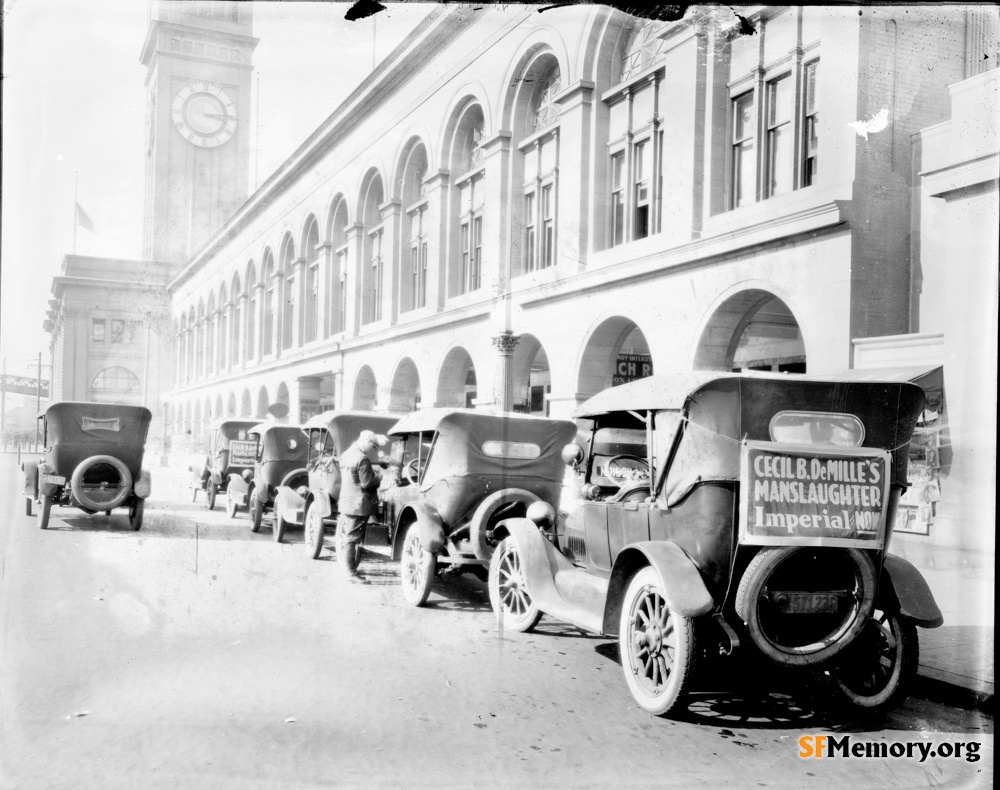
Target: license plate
[[805, 603], [58, 480]]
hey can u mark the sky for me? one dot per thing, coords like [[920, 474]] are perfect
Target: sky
[[74, 116]]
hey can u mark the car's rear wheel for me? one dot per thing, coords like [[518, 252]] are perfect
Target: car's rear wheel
[[509, 595], [506, 503], [657, 645], [803, 605], [879, 667], [44, 508], [194, 493], [27, 506], [313, 531], [278, 530], [416, 568], [231, 506], [256, 511], [210, 493], [135, 511]]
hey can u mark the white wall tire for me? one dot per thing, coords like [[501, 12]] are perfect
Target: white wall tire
[[509, 597], [657, 645]]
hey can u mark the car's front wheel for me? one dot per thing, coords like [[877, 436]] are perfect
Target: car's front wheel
[[313, 531], [880, 665], [416, 568], [210, 493], [135, 511], [256, 511], [44, 508], [657, 645], [231, 506], [27, 506], [508, 590]]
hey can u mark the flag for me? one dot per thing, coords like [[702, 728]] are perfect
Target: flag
[[82, 219]]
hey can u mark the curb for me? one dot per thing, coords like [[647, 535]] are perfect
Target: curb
[[937, 689]]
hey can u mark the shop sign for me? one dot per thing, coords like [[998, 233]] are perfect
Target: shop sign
[[631, 367], [791, 494], [242, 453]]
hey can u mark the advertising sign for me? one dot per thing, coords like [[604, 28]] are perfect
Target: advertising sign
[[631, 367], [242, 453], [792, 494]]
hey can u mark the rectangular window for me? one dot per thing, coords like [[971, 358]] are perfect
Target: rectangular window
[[641, 179], [617, 199], [97, 330], [548, 228], [376, 291], [810, 143], [744, 168], [529, 232], [464, 247], [117, 330], [342, 315], [422, 290], [778, 167], [477, 254]]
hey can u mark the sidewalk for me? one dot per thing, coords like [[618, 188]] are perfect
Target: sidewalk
[[956, 660]]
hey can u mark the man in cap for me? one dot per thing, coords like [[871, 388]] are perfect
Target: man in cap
[[358, 499]]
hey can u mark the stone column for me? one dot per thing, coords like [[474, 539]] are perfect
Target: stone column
[[575, 194], [437, 232], [391, 257], [496, 218], [325, 286], [355, 260], [503, 382]]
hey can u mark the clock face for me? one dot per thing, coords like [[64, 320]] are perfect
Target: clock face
[[204, 114]]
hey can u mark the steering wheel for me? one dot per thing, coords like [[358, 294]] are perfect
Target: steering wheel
[[626, 480], [412, 470]]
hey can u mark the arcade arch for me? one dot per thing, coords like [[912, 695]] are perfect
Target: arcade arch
[[457, 380], [616, 352], [752, 330], [404, 393]]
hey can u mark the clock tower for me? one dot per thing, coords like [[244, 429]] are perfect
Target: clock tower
[[197, 57]]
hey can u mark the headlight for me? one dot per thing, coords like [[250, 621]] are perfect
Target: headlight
[[302, 491]]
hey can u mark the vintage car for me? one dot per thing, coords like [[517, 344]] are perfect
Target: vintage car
[[762, 511], [92, 461], [280, 461], [230, 451], [457, 473], [330, 434]]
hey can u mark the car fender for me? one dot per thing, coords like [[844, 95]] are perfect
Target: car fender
[[288, 502], [905, 590], [683, 588], [540, 562], [216, 477], [290, 477], [49, 489], [143, 486], [430, 527], [322, 502], [237, 484], [30, 469]]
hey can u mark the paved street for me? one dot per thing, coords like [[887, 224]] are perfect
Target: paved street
[[197, 654]]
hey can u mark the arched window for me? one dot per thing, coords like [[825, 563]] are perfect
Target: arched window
[[310, 313], [235, 325], [250, 343], [643, 49], [414, 282], [116, 385], [339, 261], [536, 132], [468, 198], [211, 325], [289, 298], [374, 273]]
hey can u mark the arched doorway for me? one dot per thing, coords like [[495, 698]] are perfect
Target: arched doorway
[[231, 405], [246, 408], [263, 401], [457, 380], [616, 353], [404, 394], [532, 380], [365, 392], [116, 385], [752, 330]]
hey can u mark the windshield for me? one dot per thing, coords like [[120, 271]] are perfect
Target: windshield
[[618, 456]]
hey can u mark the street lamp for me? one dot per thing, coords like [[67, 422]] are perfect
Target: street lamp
[[504, 319]]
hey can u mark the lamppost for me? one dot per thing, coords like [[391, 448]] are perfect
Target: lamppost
[[504, 318]]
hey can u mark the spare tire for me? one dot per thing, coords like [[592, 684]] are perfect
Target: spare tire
[[506, 503], [803, 605], [101, 482]]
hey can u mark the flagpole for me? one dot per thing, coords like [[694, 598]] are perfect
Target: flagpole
[[76, 203]]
